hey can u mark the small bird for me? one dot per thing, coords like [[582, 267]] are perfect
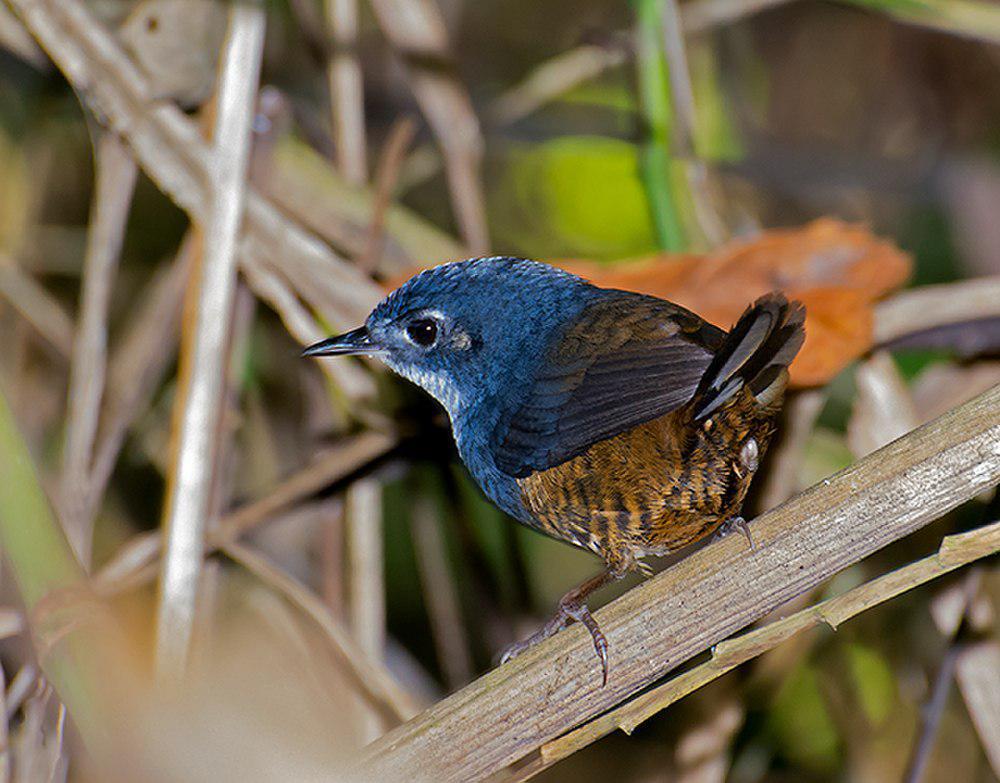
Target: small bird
[[617, 422]]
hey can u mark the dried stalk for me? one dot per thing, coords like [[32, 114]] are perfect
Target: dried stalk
[[131, 565], [203, 358], [366, 582], [935, 305], [562, 73], [373, 679], [115, 182], [137, 365], [417, 31], [16, 39], [440, 596], [347, 91], [170, 148], [37, 306], [954, 552], [386, 178], [701, 600], [977, 672]]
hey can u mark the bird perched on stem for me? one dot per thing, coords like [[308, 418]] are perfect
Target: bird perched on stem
[[617, 422]]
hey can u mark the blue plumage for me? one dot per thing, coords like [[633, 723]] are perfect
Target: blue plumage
[[618, 422]]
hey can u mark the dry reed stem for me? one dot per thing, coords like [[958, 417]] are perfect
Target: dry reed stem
[[560, 74], [443, 608], [977, 673], [555, 77], [170, 148], [928, 306], [347, 97], [416, 30], [202, 376], [130, 566], [521, 706], [138, 363], [273, 289], [954, 552], [366, 582], [16, 39], [933, 710], [386, 178], [23, 683], [116, 173], [373, 679], [685, 128], [37, 306]]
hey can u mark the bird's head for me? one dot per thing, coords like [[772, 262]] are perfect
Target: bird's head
[[466, 330]]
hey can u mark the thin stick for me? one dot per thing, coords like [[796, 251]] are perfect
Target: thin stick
[[138, 364], [686, 127], [171, 149], [130, 566], [701, 600], [373, 679], [366, 581], [202, 376], [934, 305], [386, 177], [270, 287], [447, 627], [115, 183], [347, 96], [416, 29], [37, 306], [933, 711]]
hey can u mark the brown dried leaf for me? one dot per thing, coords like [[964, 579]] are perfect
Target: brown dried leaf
[[835, 269]]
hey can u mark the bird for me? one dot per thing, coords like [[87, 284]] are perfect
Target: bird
[[617, 422]]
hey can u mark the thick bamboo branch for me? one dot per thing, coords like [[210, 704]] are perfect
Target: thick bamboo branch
[[204, 357], [955, 552], [517, 708]]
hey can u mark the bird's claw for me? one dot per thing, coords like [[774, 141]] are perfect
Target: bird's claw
[[736, 523], [567, 613]]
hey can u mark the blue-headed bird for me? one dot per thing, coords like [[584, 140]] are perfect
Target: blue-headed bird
[[617, 422]]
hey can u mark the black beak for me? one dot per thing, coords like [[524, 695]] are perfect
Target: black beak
[[353, 342]]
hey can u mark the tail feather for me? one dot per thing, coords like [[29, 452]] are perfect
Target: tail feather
[[755, 354]]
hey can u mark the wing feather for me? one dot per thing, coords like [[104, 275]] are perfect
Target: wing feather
[[628, 359]]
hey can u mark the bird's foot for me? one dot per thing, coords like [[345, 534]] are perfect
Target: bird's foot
[[568, 612], [572, 607], [736, 523]]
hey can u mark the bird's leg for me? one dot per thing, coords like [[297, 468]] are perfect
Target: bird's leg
[[572, 606], [735, 523]]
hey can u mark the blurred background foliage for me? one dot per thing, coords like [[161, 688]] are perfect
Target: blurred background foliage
[[881, 112]]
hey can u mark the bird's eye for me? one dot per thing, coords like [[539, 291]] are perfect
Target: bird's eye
[[423, 332]]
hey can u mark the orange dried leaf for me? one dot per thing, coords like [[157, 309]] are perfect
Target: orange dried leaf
[[837, 270]]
